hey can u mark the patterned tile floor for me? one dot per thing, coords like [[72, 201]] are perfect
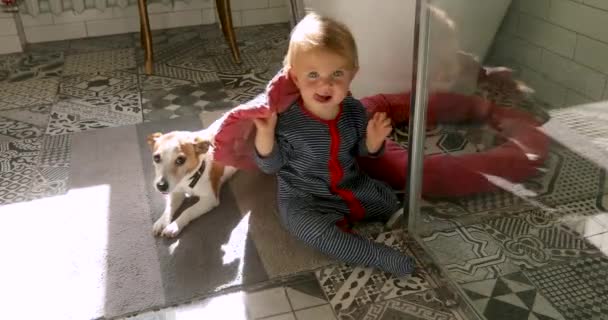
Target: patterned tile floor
[[510, 260]]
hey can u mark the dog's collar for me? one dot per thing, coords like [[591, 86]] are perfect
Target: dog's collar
[[197, 175]]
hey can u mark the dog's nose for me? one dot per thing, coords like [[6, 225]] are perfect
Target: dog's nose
[[162, 185]]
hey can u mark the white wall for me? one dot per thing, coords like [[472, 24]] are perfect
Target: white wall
[[477, 22], [9, 36], [559, 47], [94, 22]]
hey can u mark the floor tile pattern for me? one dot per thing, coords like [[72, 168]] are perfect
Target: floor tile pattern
[[52, 172], [32, 65], [421, 305], [69, 116], [28, 93], [96, 84], [186, 100], [511, 296], [18, 160], [109, 60], [24, 123], [578, 289], [349, 288]]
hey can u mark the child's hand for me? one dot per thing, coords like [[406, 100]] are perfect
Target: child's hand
[[378, 127], [266, 124], [264, 137]]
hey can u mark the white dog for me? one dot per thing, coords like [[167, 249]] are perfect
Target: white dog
[[184, 165]]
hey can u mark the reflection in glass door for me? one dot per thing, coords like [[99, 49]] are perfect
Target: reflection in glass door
[[508, 155]]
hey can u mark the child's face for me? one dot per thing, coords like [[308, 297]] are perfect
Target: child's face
[[322, 77]]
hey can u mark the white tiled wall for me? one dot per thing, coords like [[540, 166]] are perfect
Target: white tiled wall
[[559, 47], [94, 22], [9, 37]]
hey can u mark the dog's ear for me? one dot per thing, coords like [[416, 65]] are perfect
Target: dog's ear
[[152, 139], [201, 145]]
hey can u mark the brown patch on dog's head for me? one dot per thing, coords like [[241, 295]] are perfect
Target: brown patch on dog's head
[[188, 151], [152, 139], [201, 145], [191, 149]]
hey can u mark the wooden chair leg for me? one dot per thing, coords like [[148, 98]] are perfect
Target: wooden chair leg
[[141, 34], [146, 36], [225, 14]]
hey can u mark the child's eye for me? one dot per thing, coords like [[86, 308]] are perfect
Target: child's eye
[[338, 73], [313, 75]]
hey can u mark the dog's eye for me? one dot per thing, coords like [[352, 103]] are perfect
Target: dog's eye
[[157, 158], [180, 160]]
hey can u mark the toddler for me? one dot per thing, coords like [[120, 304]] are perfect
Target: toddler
[[313, 146]]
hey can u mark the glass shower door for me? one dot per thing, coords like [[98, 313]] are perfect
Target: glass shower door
[[506, 178]]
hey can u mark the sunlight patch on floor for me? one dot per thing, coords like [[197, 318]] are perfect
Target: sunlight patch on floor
[[234, 250], [55, 258]]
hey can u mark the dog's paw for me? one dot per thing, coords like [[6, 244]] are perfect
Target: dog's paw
[[172, 230], [160, 225]]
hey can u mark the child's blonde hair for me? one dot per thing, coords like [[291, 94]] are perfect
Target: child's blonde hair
[[319, 32]]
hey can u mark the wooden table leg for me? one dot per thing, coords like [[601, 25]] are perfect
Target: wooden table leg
[[146, 36], [225, 14]]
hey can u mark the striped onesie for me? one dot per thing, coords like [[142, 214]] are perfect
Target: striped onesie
[[321, 190]]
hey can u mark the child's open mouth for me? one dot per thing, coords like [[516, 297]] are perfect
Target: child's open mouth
[[322, 98]]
